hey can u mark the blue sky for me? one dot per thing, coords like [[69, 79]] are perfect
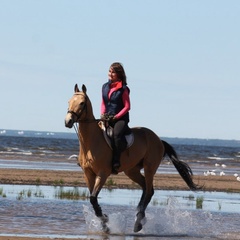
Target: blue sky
[[181, 58]]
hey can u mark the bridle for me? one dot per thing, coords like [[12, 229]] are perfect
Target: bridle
[[79, 115], [84, 108]]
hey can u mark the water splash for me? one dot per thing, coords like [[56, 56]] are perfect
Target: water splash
[[117, 222], [170, 220]]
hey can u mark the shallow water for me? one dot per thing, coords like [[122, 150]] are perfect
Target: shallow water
[[170, 215]]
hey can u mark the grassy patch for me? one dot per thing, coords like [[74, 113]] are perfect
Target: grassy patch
[[74, 194], [59, 182], [2, 193], [199, 202], [38, 181], [110, 182], [28, 193]]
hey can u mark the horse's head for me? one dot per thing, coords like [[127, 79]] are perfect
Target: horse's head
[[77, 106]]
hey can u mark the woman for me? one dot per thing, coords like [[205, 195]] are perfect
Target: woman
[[116, 105]]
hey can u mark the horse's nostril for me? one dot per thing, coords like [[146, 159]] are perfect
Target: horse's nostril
[[69, 123]]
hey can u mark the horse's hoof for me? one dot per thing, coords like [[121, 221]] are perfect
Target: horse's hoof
[[105, 228], [140, 221], [137, 227], [104, 218]]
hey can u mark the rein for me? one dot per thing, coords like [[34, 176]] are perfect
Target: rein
[[83, 120]]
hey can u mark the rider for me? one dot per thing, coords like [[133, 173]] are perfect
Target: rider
[[116, 105]]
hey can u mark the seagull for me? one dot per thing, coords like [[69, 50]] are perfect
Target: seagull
[[210, 172], [73, 156], [222, 173], [206, 173], [235, 175], [223, 165], [213, 173], [217, 165], [238, 179]]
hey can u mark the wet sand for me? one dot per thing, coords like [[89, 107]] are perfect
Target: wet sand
[[76, 178]]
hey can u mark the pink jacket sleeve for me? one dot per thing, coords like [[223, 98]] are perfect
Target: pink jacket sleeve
[[126, 103]]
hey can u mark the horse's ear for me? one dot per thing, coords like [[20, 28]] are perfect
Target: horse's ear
[[84, 89], [76, 89]]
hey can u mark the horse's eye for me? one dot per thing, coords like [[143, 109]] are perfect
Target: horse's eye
[[81, 104]]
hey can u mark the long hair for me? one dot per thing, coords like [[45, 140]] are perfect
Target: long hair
[[118, 68]]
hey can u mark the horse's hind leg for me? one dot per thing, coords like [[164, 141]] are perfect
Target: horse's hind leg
[[136, 176]]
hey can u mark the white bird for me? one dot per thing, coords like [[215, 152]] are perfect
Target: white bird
[[217, 165], [73, 156], [238, 179], [213, 173], [206, 173], [235, 175], [223, 165], [222, 173]]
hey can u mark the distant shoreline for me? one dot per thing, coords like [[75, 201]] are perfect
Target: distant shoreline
[[72, 135], [76, 178]]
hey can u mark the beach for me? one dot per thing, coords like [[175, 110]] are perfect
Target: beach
[[75, 178]]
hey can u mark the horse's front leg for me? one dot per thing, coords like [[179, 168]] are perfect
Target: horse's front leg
[[99, 182]]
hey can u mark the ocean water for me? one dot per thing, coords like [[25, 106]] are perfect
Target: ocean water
[[21, 148], [171, 214]]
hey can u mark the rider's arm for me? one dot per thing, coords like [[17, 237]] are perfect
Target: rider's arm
[[126, 103]]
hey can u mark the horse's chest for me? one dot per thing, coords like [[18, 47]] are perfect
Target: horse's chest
[[86, 160]]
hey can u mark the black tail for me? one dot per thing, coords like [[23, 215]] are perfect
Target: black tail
[[182, 167]]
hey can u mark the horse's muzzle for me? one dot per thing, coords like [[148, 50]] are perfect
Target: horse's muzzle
[[69, 121]]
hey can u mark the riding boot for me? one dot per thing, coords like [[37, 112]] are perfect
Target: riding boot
[[116, 161]]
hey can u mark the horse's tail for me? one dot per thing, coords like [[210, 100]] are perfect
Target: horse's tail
[[182, 167]]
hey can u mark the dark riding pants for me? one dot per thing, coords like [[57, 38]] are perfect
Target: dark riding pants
[[119, 141]]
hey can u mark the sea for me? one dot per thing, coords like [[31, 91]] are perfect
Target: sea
[[42, 215], [58, 150]]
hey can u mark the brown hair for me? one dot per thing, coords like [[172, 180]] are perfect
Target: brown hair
[[118, 68]]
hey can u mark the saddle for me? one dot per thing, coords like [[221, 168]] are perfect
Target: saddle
[[108, 134]]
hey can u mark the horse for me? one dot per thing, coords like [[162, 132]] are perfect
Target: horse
[[95, 157]]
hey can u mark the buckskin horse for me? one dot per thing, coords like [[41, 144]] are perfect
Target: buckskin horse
[[95, 156]]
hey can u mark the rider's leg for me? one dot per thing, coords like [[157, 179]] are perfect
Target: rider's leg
[[119, 143]]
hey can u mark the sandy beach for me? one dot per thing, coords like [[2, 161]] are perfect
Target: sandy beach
[[76, 178]]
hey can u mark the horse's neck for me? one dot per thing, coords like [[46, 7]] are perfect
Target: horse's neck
[[87, 132]]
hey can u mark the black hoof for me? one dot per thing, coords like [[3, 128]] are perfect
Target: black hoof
[[139, 222], [137, 227], [104, 218], [105, 228]]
